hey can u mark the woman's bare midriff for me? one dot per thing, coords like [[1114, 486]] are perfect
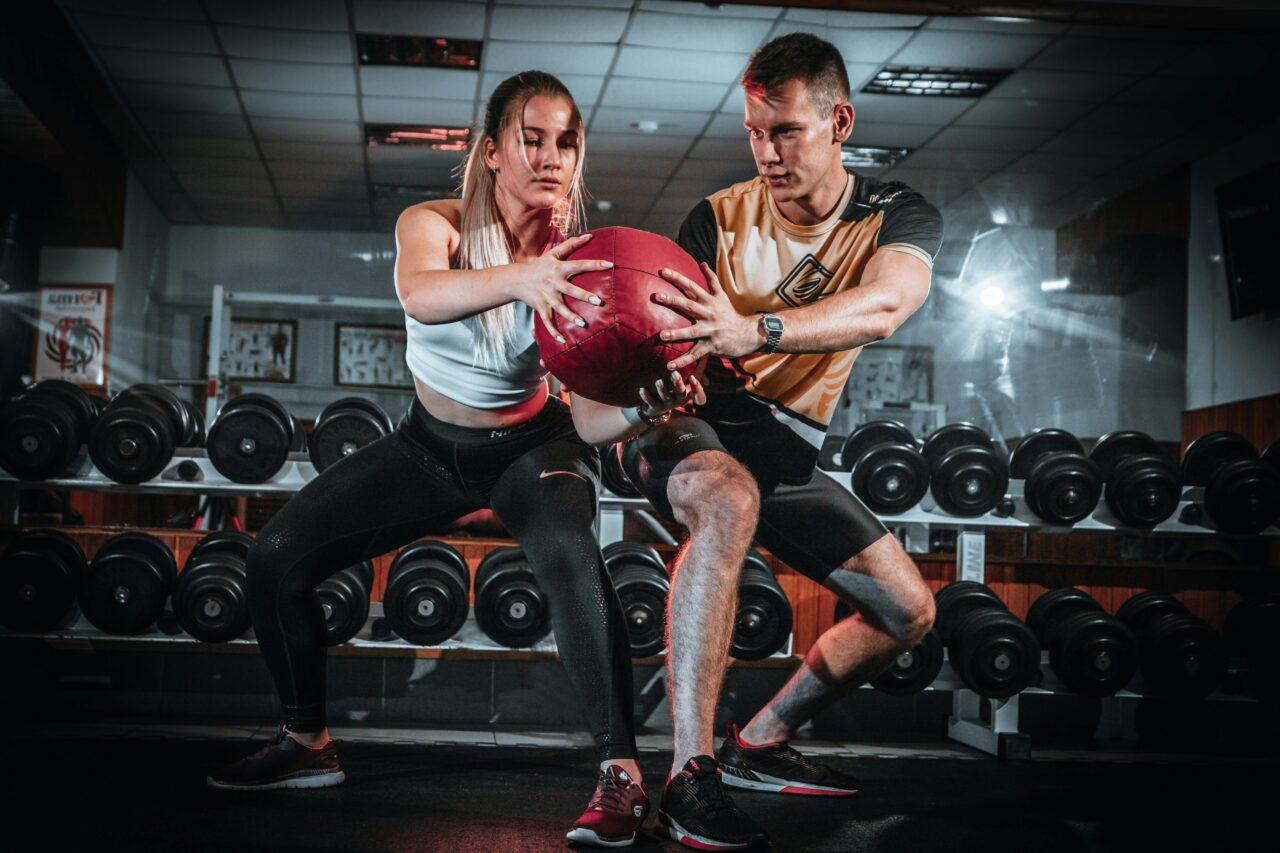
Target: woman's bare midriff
[[453, 412]]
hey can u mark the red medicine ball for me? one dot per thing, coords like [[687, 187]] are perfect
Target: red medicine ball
[[619, 351]]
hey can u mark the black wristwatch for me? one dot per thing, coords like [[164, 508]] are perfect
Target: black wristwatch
[[771, 324]]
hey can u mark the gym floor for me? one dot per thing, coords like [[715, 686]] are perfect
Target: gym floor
[[143, 789]]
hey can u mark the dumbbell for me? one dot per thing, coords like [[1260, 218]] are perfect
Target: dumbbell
[[1143, 484], [344, 601], [1250, 634], [42, 431], [831, 445], [1271, 455], [968, 477], [426, 600], [125, 587], [913, 670], [640, 579], [1241, 491], [762, 623], [1178, 654], [251, 438], [210, 598], [615, 479], [1093, 652], [994, 653], [40, 571], [135, 437], [889, 474], [345, 426], [1061, 485], [510, 608]]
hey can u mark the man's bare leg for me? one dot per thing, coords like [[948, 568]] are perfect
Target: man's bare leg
[[895, 609], [717, 500]]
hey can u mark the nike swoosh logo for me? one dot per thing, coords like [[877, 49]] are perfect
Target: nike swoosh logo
[[546, 474]]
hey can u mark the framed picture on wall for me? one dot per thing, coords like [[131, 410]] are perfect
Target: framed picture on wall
[[890, 373], [370, 355], [259, 350], [74, 334]]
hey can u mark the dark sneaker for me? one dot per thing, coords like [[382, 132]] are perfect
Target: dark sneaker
[[283, 763], [697, 812], [614, 813], [779, 768]]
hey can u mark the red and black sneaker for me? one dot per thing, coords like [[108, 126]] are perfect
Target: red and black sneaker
[[779, 768], [615, 812], [697, 812], [283, 763]]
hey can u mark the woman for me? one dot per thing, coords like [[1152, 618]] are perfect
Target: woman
[[483, 431]]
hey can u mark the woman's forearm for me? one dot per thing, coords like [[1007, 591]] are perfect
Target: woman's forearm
[[442, 296]]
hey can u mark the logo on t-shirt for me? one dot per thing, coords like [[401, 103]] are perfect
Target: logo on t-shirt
[[805, 284]]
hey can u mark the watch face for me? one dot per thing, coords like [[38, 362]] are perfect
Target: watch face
[[773, 324]]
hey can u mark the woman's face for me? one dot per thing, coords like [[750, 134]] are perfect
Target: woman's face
[[535, 163]]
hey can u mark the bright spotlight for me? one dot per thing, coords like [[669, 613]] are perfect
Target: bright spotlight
[[1055, 284], [991, 296], [1000, 216]]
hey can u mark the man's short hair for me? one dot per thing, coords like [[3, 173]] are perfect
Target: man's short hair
[[805, 57]]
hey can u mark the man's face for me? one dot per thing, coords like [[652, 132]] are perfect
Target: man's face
[[792, 144]]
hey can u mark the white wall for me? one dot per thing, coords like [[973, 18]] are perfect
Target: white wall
[[1226, 360], [139, 282]]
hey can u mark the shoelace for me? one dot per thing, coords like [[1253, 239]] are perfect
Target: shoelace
[[608, 795]]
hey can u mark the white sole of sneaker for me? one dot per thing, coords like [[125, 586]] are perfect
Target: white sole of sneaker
[[322, 780], [697, 842], [765, 782], [587, 836]]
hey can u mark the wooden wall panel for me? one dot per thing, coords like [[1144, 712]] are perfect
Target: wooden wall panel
[[1257, 419]]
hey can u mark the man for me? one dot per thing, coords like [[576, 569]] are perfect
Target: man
[[807, 263]]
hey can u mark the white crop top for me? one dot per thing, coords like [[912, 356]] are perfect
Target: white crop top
[[442, 357]]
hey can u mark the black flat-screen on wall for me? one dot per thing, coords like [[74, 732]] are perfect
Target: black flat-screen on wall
[[1249, 214]]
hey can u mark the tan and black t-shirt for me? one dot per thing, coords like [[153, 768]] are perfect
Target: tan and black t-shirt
[[768, 264]]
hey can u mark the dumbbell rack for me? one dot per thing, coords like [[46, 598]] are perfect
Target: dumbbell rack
[[989, 725]]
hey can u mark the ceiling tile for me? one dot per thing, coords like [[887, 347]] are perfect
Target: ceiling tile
[[1222, 59], [1136, 119], [174, 147], [654, 94], [642, 144], [860, 73], [1061, 85], [300, 130], [412, 176], [301, 77], [332, 207], [547, 23], [890, 135], [1098, 56], [970, 50], [1123, 33], [434, 83], [983, 139], [869, 45], [303, 188], [321, 222], [954, 160], [723, 150], [1085, 165], [585, 90], [727, 126], [280, 105], [418, 111], [601, 165], [725, 174], [285, 45], [512, 56], [142, 34], [695, 66], [1009, 112], [621, 186], [726, 10], [177, 10], [904, 109], [394, 155], [1023, 26], [690, 32], [178, 68], [194, 124], [295, 170], [670, 122], [287, 14], [1161, 89], [415, 18], [169, 97], [232, 187], [1076, 142], [313, 152], [853, 19], [231, 166]]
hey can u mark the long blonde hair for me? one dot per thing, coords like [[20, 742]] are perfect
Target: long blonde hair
[[483, 242]]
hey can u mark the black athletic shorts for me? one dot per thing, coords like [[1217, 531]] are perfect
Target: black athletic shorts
[[807, 519]]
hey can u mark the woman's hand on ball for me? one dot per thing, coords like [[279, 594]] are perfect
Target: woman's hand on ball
[[671, 393], [717, 326], [550, 283]]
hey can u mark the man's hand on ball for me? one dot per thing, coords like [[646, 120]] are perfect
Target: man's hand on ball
[[550, 283], [671, 393], [717, 326]]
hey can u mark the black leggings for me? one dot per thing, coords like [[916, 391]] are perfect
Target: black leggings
[[540, 480]]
